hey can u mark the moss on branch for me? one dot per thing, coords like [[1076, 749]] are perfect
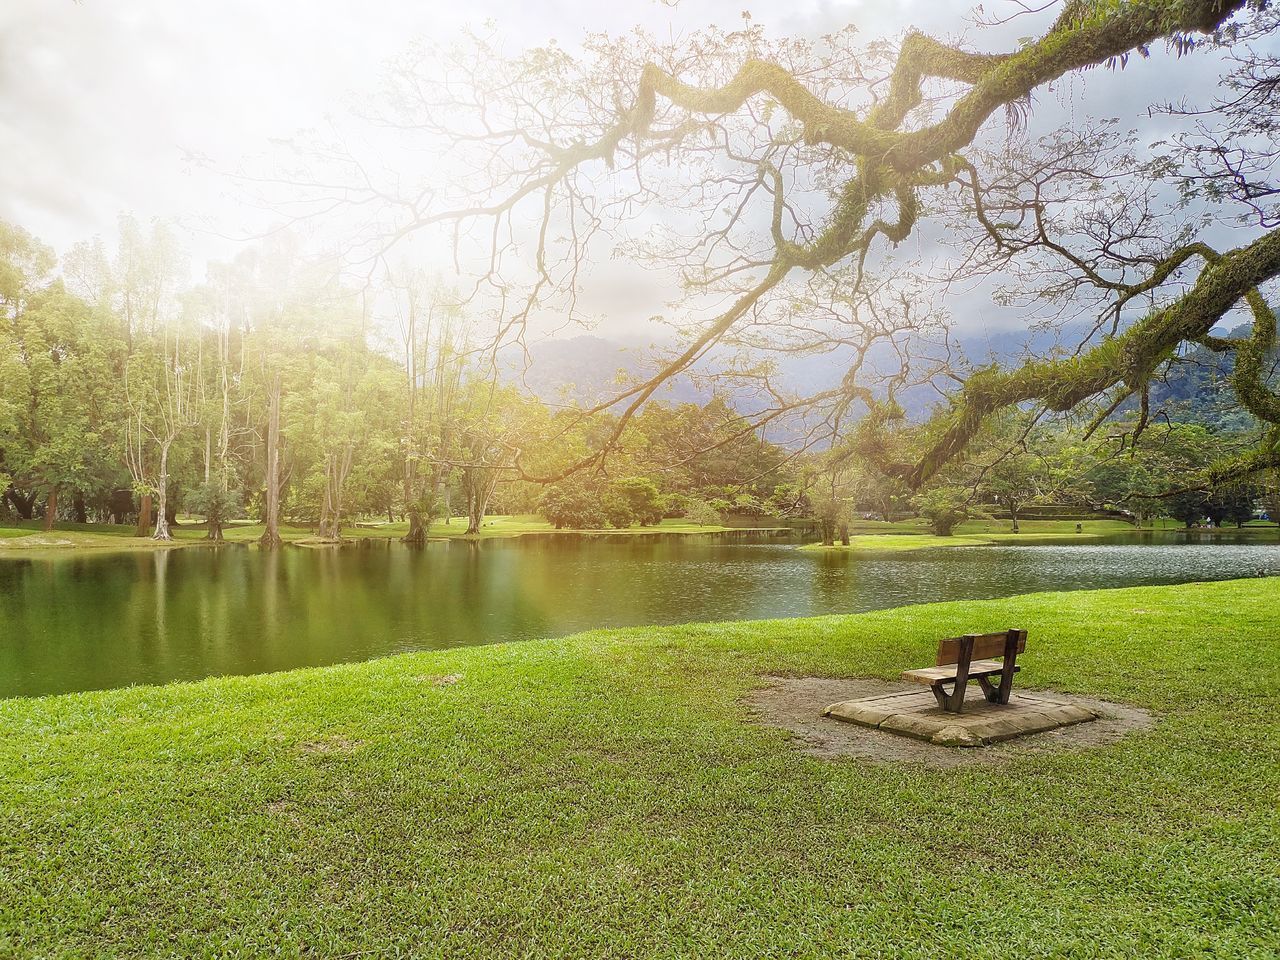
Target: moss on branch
[[1130, 359]]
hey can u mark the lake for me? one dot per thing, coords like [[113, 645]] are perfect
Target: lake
[[112, 619]]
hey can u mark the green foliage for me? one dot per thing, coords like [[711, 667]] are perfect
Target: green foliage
[[642, 498], [213, 502], [616, 507], [360, 437], [1232, 505], [573, 503], [944, 507], [586, 503], [701, 512], [1190, 507]]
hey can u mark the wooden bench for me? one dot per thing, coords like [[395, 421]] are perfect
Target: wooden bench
[[961, 659]]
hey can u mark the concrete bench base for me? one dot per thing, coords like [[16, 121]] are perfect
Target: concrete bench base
[[917, 714]]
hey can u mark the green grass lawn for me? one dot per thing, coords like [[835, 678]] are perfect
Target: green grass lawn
[[607, 795]]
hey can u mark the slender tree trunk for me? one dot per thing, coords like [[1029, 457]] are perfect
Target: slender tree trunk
[[144, 515], [337, 467], [326, 530], [51, 509], [78, 508], [416, 533], [162, 531], [271, 534], [479, 490], [1013, 512]]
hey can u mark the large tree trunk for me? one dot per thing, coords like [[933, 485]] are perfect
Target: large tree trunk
[[25, 506], [78, 508], [417, 534], [144, 515], [844, 534], [51, 509], [215, 530], [271, 534], [162, 531]]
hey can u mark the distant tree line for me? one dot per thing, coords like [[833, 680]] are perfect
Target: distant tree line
[[271, 392]]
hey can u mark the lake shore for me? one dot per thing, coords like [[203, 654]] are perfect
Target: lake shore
[[611, 790], [914, 535], [28, 539], [923, 541]]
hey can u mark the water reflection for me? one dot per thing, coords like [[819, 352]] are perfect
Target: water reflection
[[86, 622]]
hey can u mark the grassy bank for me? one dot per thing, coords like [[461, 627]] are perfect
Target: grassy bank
[[916, 534], [30, 535], [606, 794], [900, 541]]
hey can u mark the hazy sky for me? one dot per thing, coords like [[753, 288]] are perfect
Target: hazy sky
[[104, 103]]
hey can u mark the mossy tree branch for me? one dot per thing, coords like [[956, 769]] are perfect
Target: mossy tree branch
[[1130, 359]]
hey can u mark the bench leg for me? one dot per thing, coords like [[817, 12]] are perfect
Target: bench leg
[[1010, 665], [952, 702], [990, 690]]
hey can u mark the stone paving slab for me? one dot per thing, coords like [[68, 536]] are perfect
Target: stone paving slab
[[917, 714]]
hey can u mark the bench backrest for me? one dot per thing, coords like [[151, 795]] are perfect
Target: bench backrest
[[985, 646]]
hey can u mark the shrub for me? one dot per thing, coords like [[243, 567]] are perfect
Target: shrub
[[944, 507]]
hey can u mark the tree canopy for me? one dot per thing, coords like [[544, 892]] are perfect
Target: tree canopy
[[789, 172]]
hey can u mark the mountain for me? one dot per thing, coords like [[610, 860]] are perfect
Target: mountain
[[588, 369], [1195, 389]]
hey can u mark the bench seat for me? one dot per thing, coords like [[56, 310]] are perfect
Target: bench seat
[[947, 672]]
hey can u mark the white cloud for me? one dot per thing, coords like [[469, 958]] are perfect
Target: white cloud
[[106, 102]]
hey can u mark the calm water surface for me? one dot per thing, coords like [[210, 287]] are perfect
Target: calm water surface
[[109, 620]]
